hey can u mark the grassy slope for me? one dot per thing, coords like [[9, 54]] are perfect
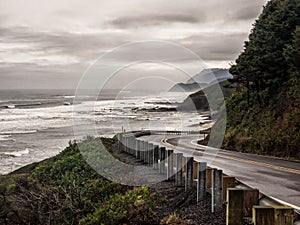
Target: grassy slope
[[65, 190]]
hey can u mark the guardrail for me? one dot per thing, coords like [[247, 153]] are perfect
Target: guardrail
[[160, 132], [244, 205]]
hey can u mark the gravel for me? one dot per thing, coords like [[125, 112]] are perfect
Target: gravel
[[177, 200]]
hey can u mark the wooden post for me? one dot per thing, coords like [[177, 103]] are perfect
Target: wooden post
[[251, 198], [228, 182], [239, 204], [208, 177], [195, 170], [235, 204], [273, 215]]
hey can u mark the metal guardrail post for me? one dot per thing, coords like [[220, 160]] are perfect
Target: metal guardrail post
[[201, 182], [136, 149], [130, 145], [189, 173], [150, 154], [217, 190], [138, 154], [142, 151], [155, 156], [170, 168], [145, 144], [126, 144], [179, 173], [146, 152], [118, 136], [162, 160]]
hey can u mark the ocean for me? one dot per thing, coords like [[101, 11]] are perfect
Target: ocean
[[38, 124]]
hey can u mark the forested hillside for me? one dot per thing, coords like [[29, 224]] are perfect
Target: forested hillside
[[264, 113]]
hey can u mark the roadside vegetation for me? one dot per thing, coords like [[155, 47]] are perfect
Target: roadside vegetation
[[263, 114], [66, 190]]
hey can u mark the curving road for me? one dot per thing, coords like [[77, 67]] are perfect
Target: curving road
[[279, 179]]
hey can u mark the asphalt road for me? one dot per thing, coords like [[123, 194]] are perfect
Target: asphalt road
[[274, 177]]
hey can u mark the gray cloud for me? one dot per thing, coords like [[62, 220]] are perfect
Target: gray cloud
[[248, 11], [53, 41], [216, 45], [83, 46], [155, 20]]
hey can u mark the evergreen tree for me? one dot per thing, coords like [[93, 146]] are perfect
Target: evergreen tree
[[292, 54], [263, 65]]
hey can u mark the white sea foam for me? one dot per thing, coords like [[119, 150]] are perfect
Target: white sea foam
[[69, 96], [5, 137], [17, 153]]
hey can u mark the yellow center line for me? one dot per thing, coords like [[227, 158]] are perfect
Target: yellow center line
[[280, 168]]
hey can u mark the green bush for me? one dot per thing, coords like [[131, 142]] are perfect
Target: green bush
[[136, 206]]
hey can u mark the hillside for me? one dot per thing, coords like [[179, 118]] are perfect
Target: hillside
[[198, 99], [186, 87], [204, 79], [65, 189], [208, 76], [264, 114]]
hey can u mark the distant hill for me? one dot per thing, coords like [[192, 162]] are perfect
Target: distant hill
[[186, 87], [208, 76], [205, 78], [199, 101]]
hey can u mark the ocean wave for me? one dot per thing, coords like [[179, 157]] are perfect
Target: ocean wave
[[6, 137], [16, 153], [5, 133], [13, 106]]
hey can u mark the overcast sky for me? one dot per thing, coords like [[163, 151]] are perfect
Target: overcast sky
[[49, 44]]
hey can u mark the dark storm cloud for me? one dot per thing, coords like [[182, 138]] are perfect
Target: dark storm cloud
[[155, 19]]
